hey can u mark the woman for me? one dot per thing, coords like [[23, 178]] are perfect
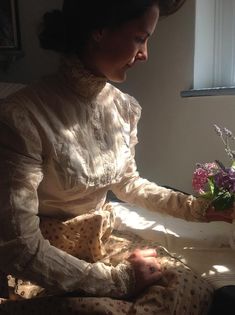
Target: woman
[[65, 142]]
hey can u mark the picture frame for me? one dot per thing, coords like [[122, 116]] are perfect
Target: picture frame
[[9, 26]]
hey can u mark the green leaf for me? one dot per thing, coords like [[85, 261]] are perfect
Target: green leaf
[[207, 195], [223, 201], [211, 185]]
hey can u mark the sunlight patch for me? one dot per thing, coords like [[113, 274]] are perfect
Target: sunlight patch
[[220, 268], [161, 228]]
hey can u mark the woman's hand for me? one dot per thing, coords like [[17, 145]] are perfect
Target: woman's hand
[[146, 268], [225, 215]]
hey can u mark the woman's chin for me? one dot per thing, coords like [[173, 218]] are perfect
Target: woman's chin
[[118, 78]]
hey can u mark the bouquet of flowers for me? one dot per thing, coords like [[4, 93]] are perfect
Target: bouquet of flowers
[[214, 181]]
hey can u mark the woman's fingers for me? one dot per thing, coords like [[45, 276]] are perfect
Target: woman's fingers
[[225, 215], [151, 252], [147, 269], [153, 271], [233, 214], [153, 276]]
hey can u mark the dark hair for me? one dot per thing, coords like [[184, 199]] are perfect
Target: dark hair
[[68, 30]]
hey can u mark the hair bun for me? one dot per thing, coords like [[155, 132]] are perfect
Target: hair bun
[[52, 35]]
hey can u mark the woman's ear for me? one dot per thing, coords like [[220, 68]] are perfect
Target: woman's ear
[[97, 35]]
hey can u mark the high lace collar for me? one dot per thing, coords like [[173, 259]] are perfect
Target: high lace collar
[[86, 84]]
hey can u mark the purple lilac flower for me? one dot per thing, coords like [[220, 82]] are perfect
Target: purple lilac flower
[[227, 132], [226, 180], [226, 136], [231, 173], [218, 130], [230, 153]]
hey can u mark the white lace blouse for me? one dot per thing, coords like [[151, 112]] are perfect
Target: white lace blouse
[[64, 142]]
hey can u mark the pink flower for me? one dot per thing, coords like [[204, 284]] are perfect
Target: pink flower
[[212, 168], [199, 181], [201, 174], [214, 181]]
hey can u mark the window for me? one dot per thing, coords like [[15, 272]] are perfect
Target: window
[[214, 60]]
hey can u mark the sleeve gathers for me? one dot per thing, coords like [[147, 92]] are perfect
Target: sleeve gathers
[[23, 250]]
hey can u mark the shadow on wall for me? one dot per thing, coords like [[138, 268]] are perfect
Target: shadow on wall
[[36, 61]]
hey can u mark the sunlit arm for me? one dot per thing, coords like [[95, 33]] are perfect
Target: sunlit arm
[[24, 252], [136, 190]]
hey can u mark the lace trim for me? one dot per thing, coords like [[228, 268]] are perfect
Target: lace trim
[[124, 278], [201, 208], [80, 79]]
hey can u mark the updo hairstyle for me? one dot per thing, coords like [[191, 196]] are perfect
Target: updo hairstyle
[[67, 31]]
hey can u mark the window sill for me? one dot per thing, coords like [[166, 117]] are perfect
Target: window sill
[[216, 91]]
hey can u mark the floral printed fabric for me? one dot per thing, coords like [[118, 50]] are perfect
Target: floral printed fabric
[[180, 291]]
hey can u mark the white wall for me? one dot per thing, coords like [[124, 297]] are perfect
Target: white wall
[[174, 132]]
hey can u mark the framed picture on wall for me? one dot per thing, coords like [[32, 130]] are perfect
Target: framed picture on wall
[[9, 25]]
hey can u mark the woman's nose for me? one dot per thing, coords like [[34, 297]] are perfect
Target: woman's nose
[[142, 54]]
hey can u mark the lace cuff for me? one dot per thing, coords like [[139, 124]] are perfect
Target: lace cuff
[[124, 278], [199, 208]]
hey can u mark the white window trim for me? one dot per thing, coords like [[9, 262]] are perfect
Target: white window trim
[[214, 60]]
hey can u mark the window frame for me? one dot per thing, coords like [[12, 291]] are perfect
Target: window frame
[[214, 52]]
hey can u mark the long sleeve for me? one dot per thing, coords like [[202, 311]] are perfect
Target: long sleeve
[[136, 190], [24, 252]]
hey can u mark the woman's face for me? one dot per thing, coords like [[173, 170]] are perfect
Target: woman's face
[[117, 50]]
